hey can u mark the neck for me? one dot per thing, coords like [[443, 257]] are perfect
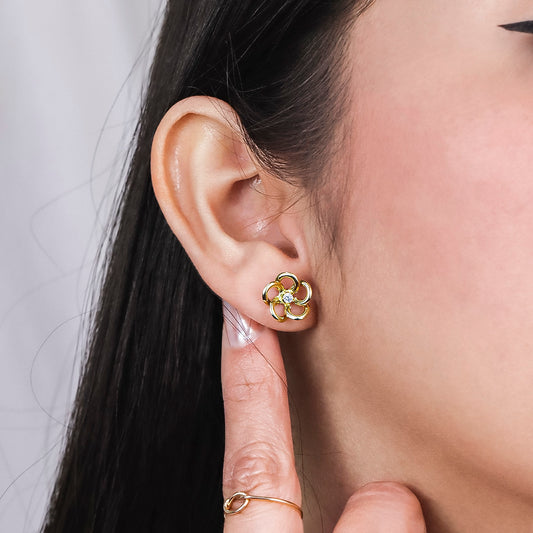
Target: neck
[[345, 438]]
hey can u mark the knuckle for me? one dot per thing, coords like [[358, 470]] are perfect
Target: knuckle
[[244, 390], [250, 381], [390, 495], [258, 465]]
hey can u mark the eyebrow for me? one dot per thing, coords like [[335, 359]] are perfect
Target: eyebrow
[[525, 27]]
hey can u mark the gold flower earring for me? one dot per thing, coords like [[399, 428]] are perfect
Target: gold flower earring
[[287, 297]]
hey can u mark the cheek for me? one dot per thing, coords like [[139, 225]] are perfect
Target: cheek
[[439, 241], [450, 201]]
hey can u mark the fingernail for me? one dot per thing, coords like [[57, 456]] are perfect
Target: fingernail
[[240, 331]]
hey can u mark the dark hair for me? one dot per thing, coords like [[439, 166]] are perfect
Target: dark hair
[[145, 442]]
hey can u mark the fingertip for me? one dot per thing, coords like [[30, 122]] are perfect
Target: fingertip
[[239, 331], [383, 506], [386, 492]]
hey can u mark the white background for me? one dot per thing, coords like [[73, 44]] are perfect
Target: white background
[[71, 75]]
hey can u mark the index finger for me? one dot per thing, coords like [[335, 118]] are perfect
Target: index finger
[[259, 456]]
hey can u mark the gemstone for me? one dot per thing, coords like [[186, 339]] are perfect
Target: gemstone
[[287, 297]]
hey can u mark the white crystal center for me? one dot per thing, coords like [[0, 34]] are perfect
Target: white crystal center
[[287, 297]]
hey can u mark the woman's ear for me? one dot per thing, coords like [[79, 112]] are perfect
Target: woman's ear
[[239, 225]]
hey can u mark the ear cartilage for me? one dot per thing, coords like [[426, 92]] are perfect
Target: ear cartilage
[[287, 297]]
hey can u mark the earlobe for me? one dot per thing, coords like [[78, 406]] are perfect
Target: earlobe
[[228, 213]]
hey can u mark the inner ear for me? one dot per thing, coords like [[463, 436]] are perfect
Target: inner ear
[[252, 212]]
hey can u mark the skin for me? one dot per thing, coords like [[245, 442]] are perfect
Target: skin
[[415, 364], [259, 452], [438, 251]]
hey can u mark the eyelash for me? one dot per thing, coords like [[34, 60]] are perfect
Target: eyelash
[[524, 27]]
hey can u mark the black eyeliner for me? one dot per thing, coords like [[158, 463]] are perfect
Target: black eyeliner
[[525, 27]]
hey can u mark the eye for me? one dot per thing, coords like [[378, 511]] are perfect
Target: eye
[[524, 27]]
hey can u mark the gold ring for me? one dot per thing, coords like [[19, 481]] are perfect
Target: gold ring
[[238, 496]]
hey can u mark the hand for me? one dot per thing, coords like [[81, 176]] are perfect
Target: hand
[[259, 457]]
